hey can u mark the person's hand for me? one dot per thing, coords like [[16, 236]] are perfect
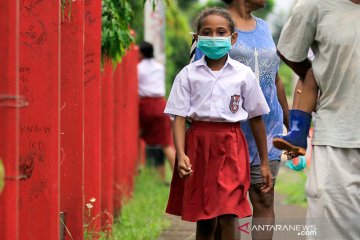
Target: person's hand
[[267, 178], [184, 166], [291, 155]]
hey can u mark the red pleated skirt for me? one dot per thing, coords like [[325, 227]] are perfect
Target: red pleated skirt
[[221, 174], [155, 125]]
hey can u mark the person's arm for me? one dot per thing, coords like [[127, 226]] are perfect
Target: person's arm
[[282, 99], [300, 68], [184, 166], [258, 130]]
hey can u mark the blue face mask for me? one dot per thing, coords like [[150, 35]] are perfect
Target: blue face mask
[[214, 47]]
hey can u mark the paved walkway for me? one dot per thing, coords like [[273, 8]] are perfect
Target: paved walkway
[[287, 216]]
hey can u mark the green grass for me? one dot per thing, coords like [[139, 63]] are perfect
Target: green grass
[[143, 216], [292, 184]]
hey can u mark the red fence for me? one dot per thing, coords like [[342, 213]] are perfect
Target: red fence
[[68, 130]]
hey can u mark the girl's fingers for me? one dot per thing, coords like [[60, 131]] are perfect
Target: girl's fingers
[[183, 173], [183, 170]]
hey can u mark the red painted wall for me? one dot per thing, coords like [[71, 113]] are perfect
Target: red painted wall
[[131, 116], [39, 122], [77, 139], [107, 146], [92, 112], [72, 202], [119, 140], [9, 117]]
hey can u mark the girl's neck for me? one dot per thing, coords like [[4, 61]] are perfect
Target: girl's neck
[[216, 64], [242, 16]]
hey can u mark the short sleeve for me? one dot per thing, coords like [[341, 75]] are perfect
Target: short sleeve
[[178, 102], [298, 34], [254, 101]]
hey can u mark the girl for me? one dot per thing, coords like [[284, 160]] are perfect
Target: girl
[[255, 48], [216, 93]]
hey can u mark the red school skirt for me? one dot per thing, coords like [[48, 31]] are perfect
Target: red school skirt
[[221, 174], [155, 125]]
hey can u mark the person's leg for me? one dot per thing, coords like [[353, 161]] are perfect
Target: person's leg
[[205, 229], [300, 119], [159, 162], [263, 211], [332, 191], [226, 225], [263, 203], [169, 152]]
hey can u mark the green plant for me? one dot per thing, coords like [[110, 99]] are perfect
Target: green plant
[[90, 229], [116, 35], [63, 5], [143, 216]]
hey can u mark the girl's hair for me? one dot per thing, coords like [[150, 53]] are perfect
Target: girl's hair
[[146, 49], [227, 1], [215, 11]]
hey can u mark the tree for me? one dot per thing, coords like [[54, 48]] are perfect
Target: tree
[[116, 36]]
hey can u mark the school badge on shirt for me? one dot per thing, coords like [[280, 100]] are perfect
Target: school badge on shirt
[[234, 103]]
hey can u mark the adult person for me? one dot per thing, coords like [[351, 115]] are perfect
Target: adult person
[[331, 28], [255, 48], [155, 126]]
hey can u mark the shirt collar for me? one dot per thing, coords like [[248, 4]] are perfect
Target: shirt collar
[[202, 62]]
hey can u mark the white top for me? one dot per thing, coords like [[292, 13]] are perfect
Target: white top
[[332, 29], [151, 77], [232, 95]]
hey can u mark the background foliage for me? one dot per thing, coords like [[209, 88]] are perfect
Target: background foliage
[[116, 36]]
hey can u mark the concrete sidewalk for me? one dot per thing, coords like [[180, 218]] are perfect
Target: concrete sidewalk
[[287, 216]]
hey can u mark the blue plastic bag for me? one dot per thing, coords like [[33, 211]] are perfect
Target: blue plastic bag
[[298, 167]]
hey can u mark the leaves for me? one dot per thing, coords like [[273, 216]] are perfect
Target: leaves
[[116, 36]]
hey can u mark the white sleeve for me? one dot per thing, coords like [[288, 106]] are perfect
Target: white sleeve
[[254, 101], [179, 99], [298, 34]]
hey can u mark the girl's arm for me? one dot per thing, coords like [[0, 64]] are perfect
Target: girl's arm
[[282, 99], [184, 166], [258, 129]]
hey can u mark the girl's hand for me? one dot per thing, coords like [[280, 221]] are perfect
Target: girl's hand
[[267, 178], [184, 166]]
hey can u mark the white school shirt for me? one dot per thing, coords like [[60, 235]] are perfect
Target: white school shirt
[[151, 77], [332, 29], [232, 95]]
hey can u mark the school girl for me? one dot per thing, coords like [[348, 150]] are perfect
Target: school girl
[[216, 93], [155, 126]]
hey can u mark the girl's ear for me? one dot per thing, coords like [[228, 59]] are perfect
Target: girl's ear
[[195, 36], [234, 37]]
